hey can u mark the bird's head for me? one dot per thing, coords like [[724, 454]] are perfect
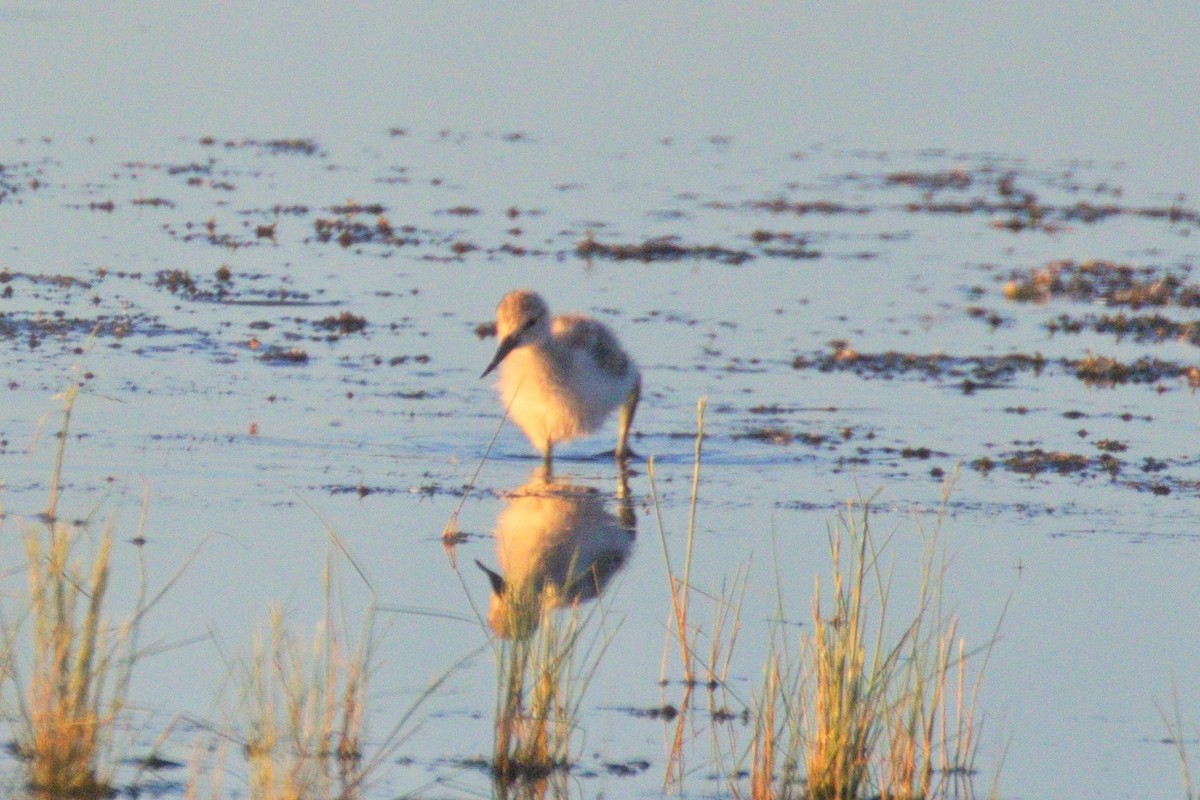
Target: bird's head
[[521, 318]]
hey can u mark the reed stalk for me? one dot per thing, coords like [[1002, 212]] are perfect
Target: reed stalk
[[1176, 736], [727, 604], [680, 587], [706, 651]]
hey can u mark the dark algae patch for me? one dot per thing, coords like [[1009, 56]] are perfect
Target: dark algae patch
[[283, 356], [1144, 328], [782, 436], [979, 371], [347, 230], [665, 248], [1098, 370], [342, 324], [224, 286], [973, 373], [1002, 196], [802, 208], [285, 146], [1108, 282]]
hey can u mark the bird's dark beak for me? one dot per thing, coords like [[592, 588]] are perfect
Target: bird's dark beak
[[506, 347], [496, 579]]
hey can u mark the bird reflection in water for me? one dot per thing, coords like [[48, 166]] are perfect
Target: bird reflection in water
[[557, 544]]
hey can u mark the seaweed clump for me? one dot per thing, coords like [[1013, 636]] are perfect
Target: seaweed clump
[[663, 248], [1106, 281]]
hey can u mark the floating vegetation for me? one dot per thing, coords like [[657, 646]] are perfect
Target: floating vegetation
[[804, 207], [294, 146], [992, 318], [932, 181], [1106, 281], [17, 177], [1020, 210], [783, 436], [176, 281], [58, 281], [221, 288], [347, 231], [973, 373], [664, 248], [980, 371], [1036, 461], [783, 245], [38, 328], [153, 202], [342, 324], [283, 355], [1105, 371], [1150, 328]]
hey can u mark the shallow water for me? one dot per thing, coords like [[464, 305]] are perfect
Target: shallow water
[[842, 310]]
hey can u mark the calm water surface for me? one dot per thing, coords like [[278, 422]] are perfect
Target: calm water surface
[[883, 239]]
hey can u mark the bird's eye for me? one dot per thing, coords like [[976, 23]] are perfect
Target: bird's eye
[[529, 323]]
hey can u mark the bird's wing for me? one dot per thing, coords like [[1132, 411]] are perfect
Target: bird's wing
[[587, 335]]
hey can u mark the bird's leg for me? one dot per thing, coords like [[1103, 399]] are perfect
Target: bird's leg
[[628, 408], [548, 458]]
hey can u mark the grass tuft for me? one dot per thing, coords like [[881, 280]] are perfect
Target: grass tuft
[[303, 701], [73, 685], [869, 709], [70, 701], [305, 706]]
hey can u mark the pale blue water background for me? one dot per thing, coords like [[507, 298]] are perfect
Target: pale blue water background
[[1103, 607]]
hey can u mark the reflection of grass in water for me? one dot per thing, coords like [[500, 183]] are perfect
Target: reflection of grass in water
[[79, 664], [866, 715], [542, 675]]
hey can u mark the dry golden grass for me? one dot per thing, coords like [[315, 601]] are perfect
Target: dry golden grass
[[67, 666], [304, 701], [849, 685], [868, 709], [74, 692], [206, 771]]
